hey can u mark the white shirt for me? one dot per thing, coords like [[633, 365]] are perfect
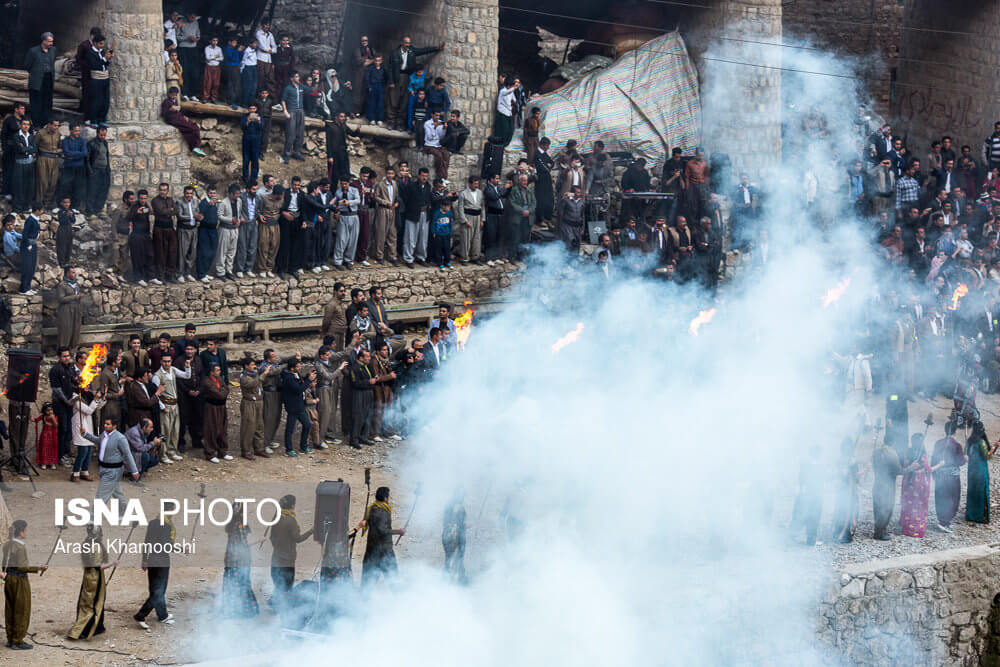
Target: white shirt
[[266, 45], [249, 58], [505, 101], [100, 450], [171, 31], [433, 135], [213, 55], [404, 58], [390, 187], [293, 201], [171, 391]]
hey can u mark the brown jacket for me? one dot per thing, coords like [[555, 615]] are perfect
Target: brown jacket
[[382, 197], [214, 393], [383, 381], [334, 318]]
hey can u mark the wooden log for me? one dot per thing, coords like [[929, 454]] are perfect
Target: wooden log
[[202, 109], [18, 79]]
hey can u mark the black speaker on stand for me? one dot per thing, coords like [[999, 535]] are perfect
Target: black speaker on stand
[[22, 390]]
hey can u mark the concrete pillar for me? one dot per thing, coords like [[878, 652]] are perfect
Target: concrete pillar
[[144, 150], [741, 104], [469, 63], [955, 89]]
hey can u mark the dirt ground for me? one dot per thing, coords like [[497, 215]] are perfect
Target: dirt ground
[[191, 590]]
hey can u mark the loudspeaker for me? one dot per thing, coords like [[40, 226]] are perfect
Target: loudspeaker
[[22, 375], [333, 506]]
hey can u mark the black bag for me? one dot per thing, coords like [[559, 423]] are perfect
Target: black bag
[[492, 162]]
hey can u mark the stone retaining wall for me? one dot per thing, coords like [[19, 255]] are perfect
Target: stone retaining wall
[[109, 301], [925, 609]]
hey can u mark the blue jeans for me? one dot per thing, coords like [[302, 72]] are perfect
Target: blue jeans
[[251, 158], [145, 460], [82, 462], [208, 242], [290, 420], [249, 81], [375, 101]]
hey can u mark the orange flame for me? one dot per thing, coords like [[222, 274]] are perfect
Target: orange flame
[[704, 317], [96, 355], [959, 292], [463, 324], [570, 337], [834, 293]]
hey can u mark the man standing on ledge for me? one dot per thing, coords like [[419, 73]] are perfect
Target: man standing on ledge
[[69, 316], [40, 61], [402, 63]]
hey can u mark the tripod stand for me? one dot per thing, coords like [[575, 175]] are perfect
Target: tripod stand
[[20, 415]]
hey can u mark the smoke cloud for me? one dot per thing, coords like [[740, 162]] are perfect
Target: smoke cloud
[[652, 471]]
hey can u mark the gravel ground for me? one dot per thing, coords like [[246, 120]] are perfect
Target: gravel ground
[[864, 548]]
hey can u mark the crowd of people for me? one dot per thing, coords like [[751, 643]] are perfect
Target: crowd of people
[[172, 398]]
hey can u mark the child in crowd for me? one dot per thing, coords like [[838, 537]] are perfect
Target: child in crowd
[[441, 223]]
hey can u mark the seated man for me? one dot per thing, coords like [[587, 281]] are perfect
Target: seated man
[[144, 446], [172, 115], [455, 133]]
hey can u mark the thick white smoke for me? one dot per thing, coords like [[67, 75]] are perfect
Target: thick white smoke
[[653, 470]]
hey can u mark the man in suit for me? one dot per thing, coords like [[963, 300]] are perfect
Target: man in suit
[[434, 351], [417, 203], [916, 253], [377, 311], [494, 195], [362, 382], [140, 402], [113, 455], [40, 61], [231, 216], [946, 177], [402, 63], [293, 388]]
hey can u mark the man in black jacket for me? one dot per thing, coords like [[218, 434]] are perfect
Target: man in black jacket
[[291, 246], [213, 354], [494, 195], [338, 162], [293, 387], [417, 203], [62, 380], [362, 387], [402, 63], [40, 61]]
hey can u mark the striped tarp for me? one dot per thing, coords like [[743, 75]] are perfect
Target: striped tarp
[[646, 103]]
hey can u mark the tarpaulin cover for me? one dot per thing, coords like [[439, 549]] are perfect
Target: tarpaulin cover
[[645, 103]]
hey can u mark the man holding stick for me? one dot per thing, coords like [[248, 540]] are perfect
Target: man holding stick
[[380, 559], [17, 590]]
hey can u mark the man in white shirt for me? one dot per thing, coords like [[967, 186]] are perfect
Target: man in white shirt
[[503, 125], [166, 377], [213, 72], [267, 46], [434, 131], [170, 27]]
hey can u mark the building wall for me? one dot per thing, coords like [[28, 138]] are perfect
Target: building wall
[[314, 26], [955, 89], [926, 609], [867, 29], [741, 105]]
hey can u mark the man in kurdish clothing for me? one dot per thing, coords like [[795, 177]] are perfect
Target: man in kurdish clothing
[[380, 560], [16, 589], [252, 442], [285, 536], [216, 391]]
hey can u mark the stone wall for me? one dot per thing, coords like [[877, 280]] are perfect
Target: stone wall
[[145, 151], [861, 28], [314, 27], [925, 609], [111, 301], [954, 89], [741, 105]]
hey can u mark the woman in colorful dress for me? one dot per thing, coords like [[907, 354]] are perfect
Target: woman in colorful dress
[[90, 604], [238, 599], [916, 489], [47, 447], [977, 500], [946, 461]]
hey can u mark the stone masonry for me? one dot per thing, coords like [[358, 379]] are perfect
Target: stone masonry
[[948, 82], [314, 27], [110, 301], [741, 105], [145, 151], [925, 609]]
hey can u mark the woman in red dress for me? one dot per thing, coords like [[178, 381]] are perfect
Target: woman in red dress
[[47, 444]]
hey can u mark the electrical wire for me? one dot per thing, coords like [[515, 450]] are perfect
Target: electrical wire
[[865, 79], [66, 647]]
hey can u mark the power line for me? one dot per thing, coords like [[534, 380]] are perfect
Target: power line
[[867, 80]]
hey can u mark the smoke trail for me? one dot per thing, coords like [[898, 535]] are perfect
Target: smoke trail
[[652, 472]]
